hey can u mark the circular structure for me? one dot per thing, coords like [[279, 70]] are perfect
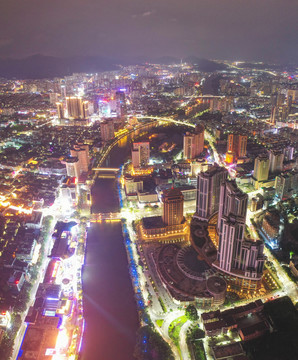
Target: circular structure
[[190, 265], [200, 236], [217, 286], [185, 276], [201, 241]]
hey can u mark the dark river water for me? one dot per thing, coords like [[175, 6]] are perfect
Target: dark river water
[[109, 306]]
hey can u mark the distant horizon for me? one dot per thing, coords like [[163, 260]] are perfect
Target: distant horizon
[[141, 58]]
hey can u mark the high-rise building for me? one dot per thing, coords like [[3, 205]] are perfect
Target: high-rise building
[[60, 110], [208, 189], [231, 143], [276, 159], [120, 103], [172, 207], [188, 141], [85, 109], [231, 201], [236, 146], [72, 167], [241, 145], [76, 108], [193, 144], [236, 255], [286, 184], [107, 130], [81, 151], [280, 109], [273, 116], [261, 167], [140, 154], [199, 139], [288, 152]]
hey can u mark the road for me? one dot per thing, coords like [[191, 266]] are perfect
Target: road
[[182, 340]]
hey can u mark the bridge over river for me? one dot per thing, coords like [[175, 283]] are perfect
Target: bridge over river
[[105, 217]]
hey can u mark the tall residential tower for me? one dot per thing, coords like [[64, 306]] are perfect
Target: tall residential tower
[[208, 191]]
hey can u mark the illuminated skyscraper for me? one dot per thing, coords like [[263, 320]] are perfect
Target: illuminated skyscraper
[[188, 145], [208, 189], [60, 110], [230, 144], [172, 207], [261, 168], [241, 145], [120, 103], [276, 159], [237, 256], [81, 151], [273, 115], [107, 130], [231, 201], [193, 144], [72, 167], [85, 109], [140, 154], [76, 108], [236, 146]]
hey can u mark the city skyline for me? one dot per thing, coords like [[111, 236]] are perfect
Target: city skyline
[[148, 210]]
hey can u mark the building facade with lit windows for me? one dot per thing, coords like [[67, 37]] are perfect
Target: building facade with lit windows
[[171, 226], [77, 108], [218, 235], [208, 187], [120, 98], [241, 259], [140, 154], [60, 110], [236, 147], [193, 144], [81, 151], [172, 207], [261, 168], [107, 130]]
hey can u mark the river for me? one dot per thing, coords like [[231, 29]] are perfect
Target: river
[[109, 306]]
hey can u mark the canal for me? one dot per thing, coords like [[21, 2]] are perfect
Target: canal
[[109, 305]]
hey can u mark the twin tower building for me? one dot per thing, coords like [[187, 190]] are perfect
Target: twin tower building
[[239, 257]]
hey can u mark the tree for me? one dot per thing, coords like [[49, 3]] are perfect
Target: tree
[[6, 347], [151, 346], [23, 298], [191, 313]]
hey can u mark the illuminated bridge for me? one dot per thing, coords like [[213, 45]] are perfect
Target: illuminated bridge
[[105, 217], [98, 170], [102, 169], [160, 118]]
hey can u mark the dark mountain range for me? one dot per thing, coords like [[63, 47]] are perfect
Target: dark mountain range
[[39, 66]]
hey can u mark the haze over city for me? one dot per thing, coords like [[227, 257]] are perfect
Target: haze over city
[[133, 29]]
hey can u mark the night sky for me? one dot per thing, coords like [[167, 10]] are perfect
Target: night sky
[[221, 29]]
